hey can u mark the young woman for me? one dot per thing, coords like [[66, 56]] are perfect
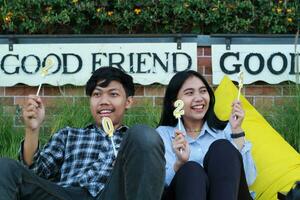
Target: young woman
[[208, 158]]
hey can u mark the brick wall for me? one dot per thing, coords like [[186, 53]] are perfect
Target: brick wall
[[261, 95]]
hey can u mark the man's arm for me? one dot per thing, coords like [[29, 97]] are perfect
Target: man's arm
[[33, 114]]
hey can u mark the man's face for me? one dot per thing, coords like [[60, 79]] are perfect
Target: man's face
[[110, 101]]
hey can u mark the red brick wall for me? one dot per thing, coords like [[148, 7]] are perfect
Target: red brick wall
[[261, 95]]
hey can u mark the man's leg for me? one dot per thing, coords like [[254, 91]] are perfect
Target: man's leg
[[224, 166], [190, 182], [18, 182], [139, 171]]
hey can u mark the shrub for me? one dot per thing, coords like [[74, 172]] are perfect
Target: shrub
[[155, 16]]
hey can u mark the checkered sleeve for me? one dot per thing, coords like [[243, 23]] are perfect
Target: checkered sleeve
[[47, 161], [97, 175]]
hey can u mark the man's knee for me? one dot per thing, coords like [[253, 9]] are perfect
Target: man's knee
[[145, 137], [8, 166]]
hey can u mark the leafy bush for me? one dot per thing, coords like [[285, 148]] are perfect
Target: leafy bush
[[155, 16]]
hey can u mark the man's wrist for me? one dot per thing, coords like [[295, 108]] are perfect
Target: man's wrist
[[32, 131]]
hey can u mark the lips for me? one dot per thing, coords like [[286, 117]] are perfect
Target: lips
[[198, 108], [105, 112]]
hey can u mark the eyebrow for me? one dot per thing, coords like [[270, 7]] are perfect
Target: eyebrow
[[110, 89], [187, 89]]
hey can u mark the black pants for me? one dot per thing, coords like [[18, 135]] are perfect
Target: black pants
[[221, 178], [138, 174]]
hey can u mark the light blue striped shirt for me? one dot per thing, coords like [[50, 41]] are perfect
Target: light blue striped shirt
[[199, 148]]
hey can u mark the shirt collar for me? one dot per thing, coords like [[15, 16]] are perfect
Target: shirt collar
[[121, 129], [205, 130]]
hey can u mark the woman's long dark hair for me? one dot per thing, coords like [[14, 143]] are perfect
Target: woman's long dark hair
[[167, 118]]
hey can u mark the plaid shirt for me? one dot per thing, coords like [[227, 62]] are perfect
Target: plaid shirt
[[78, 157]]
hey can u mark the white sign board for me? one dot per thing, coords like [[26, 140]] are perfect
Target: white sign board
[[269, 63], [74, 63]]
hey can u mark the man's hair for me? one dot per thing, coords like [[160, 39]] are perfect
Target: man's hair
[[108, 74]]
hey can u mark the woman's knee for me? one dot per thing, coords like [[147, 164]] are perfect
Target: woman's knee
[[192, 171], [223, 147], [191, 166], [222, 152]]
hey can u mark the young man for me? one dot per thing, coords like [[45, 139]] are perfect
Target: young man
[[80, 162]]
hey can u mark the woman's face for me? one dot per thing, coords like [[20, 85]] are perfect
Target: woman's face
[[196, 99]]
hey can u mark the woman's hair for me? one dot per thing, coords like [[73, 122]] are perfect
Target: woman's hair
[[167, 118]]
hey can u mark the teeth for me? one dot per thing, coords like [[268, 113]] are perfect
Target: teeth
[[198, 107], [105, 111]]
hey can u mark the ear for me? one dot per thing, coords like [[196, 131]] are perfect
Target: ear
[[129, 102]]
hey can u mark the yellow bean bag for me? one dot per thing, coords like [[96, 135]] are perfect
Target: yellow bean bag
[[277, 163]]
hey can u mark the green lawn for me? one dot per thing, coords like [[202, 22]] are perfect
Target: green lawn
[[285, 119]]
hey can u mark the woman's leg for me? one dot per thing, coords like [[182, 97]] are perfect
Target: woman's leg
[[189, 183], [224, 167]]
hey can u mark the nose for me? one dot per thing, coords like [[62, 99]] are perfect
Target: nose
[[198, 97], [103, 100]]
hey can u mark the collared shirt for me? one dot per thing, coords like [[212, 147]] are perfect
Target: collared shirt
[[81, 157], [199, 147]]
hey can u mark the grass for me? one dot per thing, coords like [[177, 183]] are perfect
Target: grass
[[285, 119], [79, 115], [66, 114], [9, 137], [73, 115], [148, 115]]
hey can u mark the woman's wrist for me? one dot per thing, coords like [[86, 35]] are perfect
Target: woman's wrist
[[236, 130], [177, 165], [237, 135]]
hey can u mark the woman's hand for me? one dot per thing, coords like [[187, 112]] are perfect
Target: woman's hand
[[181, 148], [236, 120], [237, 117]]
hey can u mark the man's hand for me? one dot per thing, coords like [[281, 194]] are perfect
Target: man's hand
[[33, 113]]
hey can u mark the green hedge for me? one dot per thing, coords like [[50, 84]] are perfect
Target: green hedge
[[148, 16]]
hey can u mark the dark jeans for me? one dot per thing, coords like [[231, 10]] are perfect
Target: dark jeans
[[222, 177], [138, 173], [18, 182]]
